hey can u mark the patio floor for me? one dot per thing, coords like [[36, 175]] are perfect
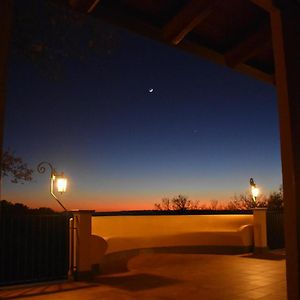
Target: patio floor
[[175, 276]]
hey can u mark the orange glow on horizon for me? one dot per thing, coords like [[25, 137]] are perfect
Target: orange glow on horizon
[[103, 203]]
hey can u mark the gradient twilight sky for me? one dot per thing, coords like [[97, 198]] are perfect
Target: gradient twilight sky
[[202, 132]]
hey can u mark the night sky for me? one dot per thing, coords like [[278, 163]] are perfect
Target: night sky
[[203, 131]]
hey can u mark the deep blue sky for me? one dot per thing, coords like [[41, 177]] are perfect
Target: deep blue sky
[[203, 131]]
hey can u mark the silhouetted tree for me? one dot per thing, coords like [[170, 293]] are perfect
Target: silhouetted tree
[[178, 203], [15, 168], [275, 200], [164, 205], [245, 201], [181, 203], [213, 204], [9, 208], [6, 8], [47, 34]]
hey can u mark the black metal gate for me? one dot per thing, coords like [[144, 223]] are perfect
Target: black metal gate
[[275, 229], [33, 248]]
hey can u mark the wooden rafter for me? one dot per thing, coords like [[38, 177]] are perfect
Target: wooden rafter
[[249, 46], [264, 4], [118, 17], [274, 5], [220, 59], [112, 12], [86, 6], [93, 6], [187, 19]]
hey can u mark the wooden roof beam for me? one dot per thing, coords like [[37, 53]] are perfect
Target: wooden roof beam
[[274, 5], [248, 47], [117, 17], [187, 19], [220, 59], [264, 4], [86, 6]]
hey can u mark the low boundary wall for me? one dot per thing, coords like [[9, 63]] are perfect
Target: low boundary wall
[[121, 237], [111, 239], [133, 232]]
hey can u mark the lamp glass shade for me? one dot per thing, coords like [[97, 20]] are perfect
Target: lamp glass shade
[[255, 191], [61, 184]]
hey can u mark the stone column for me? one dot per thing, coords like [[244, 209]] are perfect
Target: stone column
[[286, 45], [82, 244], [260, 230]]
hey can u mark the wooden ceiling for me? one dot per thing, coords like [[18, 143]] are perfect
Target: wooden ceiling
[[235, 33]]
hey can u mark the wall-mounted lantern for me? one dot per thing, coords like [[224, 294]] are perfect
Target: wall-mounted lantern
[[254, 189], [57, 181]]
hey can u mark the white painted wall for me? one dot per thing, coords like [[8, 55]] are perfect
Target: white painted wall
[[133, 232]]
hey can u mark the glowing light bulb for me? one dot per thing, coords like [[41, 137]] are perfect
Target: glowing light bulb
[[61, 184], [254, 191]]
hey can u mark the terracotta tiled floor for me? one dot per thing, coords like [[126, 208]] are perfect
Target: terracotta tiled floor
[[175, 276]]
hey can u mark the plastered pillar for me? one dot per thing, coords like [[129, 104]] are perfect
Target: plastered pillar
[[260, 230], [82, 244]]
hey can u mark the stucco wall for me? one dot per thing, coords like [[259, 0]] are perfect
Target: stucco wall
[[132, 232]]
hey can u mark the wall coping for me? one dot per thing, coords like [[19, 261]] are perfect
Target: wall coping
[[88, 211], [172, 213]]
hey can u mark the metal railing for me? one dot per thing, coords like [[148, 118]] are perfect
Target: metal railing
[[275, 229], [33, 248]]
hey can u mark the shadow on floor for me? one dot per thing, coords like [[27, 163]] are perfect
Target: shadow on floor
[[129, 282], [266, 256], [43, 289], [117, 262], [135, 282]]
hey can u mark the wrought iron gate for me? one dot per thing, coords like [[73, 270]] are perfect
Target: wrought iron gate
[[275, 229], [33, 248]]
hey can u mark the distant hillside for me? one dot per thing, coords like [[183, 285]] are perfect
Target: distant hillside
[[7, 207]]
